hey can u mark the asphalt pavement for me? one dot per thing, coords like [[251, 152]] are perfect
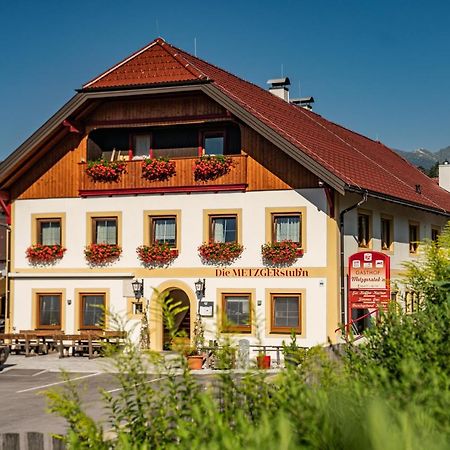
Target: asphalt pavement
[[24, 381]]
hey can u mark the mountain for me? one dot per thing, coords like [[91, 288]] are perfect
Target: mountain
[[425, 158]]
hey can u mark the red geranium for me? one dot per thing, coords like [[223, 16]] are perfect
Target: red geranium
[[211, 167], [281, 253], [158, 169], [105, 171], [156, 254], [101, 254], [44, 254], [220, 253]]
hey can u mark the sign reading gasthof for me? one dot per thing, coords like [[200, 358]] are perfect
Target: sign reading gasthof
[[368, 280]]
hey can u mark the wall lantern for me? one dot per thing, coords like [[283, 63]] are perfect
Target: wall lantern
[[69, 301], [200, 288], [138, 289]]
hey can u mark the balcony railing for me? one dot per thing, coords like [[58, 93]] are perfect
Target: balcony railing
[[132, 181]]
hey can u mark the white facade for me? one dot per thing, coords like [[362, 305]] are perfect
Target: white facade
[[72, 274]]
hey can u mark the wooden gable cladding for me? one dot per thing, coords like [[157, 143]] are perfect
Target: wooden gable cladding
[[54, 175], [269, 168], [154, 110]]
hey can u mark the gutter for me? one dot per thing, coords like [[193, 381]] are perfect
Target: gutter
[[342, 257], [398, 201]]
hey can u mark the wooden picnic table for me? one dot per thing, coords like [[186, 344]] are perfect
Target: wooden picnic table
[[90, 342], [34, 342]]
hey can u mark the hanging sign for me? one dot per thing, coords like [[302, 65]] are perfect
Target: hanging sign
[[368, 280]]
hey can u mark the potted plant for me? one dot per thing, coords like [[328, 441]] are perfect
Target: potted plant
[[281, 253], [105, 171], [156, 255], [263, 360], [220, 253], [194, 360], [158, 169], [211, 167], [44, 254], [194, 353], [102, 254]]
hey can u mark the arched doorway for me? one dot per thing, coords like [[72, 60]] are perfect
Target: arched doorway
[[179, 291], [182, 320]]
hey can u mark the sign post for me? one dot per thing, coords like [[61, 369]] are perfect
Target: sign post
[[368, 281]]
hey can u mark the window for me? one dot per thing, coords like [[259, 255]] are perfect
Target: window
[[105, 230], [49, 231], [363, 230], [141, 144], [435, 232], [286, 313], [237, 312], [214, 143], [163, 230], [386, 234], [286, 227], [223, 228], [92, 311], [48, 228], [49, 311], [413, 237]]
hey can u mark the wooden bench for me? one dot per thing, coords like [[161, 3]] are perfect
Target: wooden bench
[[87, 342], [27, 343], [46, 339]]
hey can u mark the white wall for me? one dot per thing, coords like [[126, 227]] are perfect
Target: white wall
[[253, 206]]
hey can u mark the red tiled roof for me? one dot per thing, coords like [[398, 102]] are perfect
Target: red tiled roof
[[355, 159], [156, 63]]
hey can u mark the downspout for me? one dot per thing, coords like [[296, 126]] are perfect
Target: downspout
[[341, 230]]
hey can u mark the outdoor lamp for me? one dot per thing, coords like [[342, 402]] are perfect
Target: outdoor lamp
[[200, 287], [138, 289]]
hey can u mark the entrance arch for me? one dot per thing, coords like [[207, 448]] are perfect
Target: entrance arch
[[179, 291]]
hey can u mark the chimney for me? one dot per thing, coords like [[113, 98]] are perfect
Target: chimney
[[279, 87], [303, 102], [444, 175]]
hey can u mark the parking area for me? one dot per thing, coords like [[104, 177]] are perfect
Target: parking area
[[23, 383]]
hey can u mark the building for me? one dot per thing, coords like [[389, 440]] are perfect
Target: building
[[294, 176]]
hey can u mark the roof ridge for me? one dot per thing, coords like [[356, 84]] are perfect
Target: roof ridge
[[168, 48], [176, 54]]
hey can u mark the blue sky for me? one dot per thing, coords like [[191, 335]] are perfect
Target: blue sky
[[381, 68]]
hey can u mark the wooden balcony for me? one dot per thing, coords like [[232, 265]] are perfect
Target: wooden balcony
[[132, 183]]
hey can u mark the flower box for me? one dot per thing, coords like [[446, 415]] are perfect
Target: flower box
[[211, 167], [158, 169], [156, 254], [220, 253], [102, 254], [105, 171], [281, 253], [44, 254]]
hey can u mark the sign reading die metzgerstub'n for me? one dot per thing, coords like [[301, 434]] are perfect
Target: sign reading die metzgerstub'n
[[368, 280]]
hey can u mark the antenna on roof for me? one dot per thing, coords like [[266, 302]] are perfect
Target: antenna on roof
[[195, 46]]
